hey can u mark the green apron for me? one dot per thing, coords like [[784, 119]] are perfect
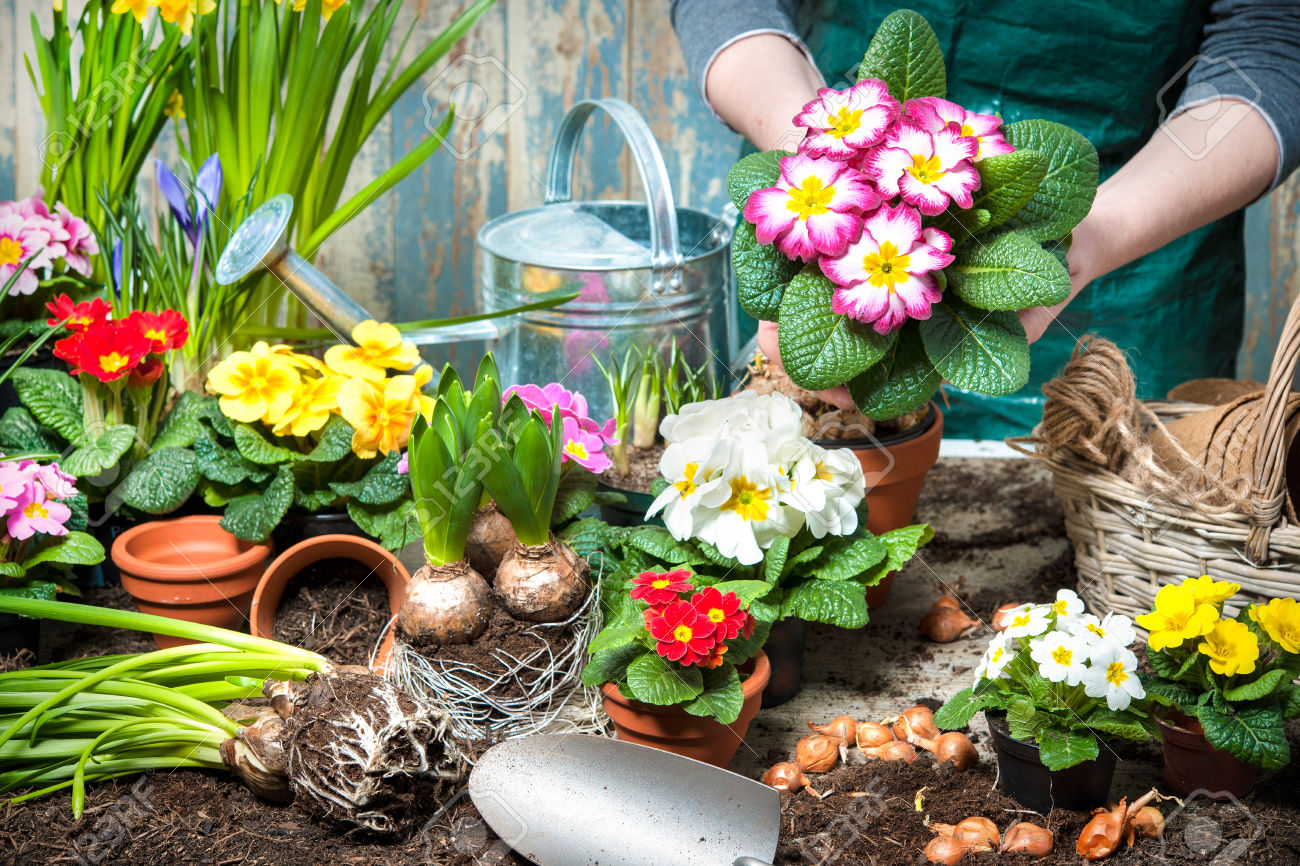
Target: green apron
[[1098, 67]]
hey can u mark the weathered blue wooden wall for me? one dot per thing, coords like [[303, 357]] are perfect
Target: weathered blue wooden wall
[[412, 254]]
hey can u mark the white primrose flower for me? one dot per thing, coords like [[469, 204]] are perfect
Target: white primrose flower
[[827, 486], [1112, 674], [695, 470], [1116, 629], [1029, 620], [751, 517], [1068, 607], [995, 660], [1060, 657], [775, 416]]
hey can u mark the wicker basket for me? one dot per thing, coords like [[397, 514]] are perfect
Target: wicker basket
[[1129, 542]]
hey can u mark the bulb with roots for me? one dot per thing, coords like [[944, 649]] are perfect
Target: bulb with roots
[[490, 538], [541, 583], [445, 605]]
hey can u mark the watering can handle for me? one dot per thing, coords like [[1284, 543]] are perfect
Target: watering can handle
[[665, 254]]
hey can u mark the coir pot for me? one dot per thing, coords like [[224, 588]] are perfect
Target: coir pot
[[1021, 774], [191, 569], [675, 730], [1192, 764]]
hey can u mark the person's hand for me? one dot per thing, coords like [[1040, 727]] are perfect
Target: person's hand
[[1082, 261], [767, 344]]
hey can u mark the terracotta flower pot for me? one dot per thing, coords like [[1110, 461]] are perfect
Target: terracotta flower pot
[[674, 730], [189, 568], [895, 470], [1192, 764], [382, 563]]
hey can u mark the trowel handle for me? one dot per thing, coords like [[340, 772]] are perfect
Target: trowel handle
[[665, 250], [749, 861]]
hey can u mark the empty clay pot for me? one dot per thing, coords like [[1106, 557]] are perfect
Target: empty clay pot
[[382, 564], [672, 729], [191, 569], [1192, 764]]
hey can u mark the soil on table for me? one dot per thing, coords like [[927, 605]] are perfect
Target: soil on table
[[643, 469], [335, 607]]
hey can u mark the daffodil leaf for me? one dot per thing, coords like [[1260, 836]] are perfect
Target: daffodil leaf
[[722, 697], [1260, 688], [54, 399], [100, 453], [840, 603], [900, 382], [610, 665], [762, 273], [162, 481], [753, 172], [905, 54], [1008, 271], [254, 446], [1059, 750], [1253, 735], [820, 348], [335, 442], [654, 680], [75, 548], [980, 350], [1064, 195]]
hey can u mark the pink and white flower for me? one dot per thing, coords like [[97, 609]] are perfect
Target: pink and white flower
[[36, 512], [928, 169], [56, 482], [933, 114], [814, 208], [584, 447], [842, 122], [80, 243], [20, 238], [886, 276], [13, 486], [584, 438]]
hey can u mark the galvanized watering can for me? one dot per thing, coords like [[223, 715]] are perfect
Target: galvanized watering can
[[647, 273]]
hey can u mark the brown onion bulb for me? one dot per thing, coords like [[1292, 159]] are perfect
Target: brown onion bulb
[[895, 750], [917, 720], [1149, 822], [843, 727], [541, 583], [490, 538], [445, 605], [977, 831], [1028, 839], [943, 624], [952, 746], [1101, 836], [947, 851], [817, 753], [871, 734], [787, 776]]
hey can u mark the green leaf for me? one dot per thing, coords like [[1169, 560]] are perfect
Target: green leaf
[[1065, 194], [335, 443], [183, 424], [747, 590], [19, 431], [381, 485], [610, 638], [820, 348], [1059, 750], [900, 546], [1289, 698], [1168, 693], [251, 517], [1024, 722], [1008, 271], [610, 665], [753, 172], [104, 452], [1164, 662], [162, 481], [225, 465], [1102, 721], [1260, 688], [254, 446], [903, 380], [959, 710], [1252, 735], [774, 559], [75, 548], [659, 543], [741, 649], [834, 602], [54, 399], [1007, 182], [576, 493], [393, 525], [722, 697], [979, 350], [762, 273], [40, 589], [655, 680], [852, 560], [905, 54]]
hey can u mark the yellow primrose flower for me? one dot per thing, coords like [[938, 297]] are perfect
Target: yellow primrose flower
[[137, 8], [380, 411], [423, 376], [379, 348], [1280, 619], [313, 402], [1207, 590], [254, 385], [1177, 617], [299, 360], [1232, 648], [182, 12], [327, 7]]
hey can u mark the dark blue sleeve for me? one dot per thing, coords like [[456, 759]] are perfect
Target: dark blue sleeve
[[705, 27]]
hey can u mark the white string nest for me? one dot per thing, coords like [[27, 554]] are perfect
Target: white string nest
[[542, 692]]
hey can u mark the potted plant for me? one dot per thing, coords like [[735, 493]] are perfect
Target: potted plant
[[1056, 685], [894, 247], [643, 387], [1226, 683], [42, 518], [746, 497]]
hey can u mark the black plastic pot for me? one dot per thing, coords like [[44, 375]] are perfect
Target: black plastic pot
[[298, 526], [785, 652], [630, 512], [18, 633], [1021, 774]]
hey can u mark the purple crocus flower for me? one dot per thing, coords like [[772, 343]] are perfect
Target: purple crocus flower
[[117, 268], [177, 200], [208, 181]]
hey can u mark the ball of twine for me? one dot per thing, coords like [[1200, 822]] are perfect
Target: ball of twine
[[1092, 407]]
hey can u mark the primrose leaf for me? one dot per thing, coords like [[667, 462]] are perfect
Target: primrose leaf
[[610, 665], [840, 603], [101, 453], [1009, 271], [762, 273], [851, 560], [746, 590], [224, 465], [1259, 688], [903, 380], [75, 548], [335, 442], [659, 543], [19, 431], [1007, 182], [183, 425], [162, 481], [905, 54], [1060, 750], [54, 399], [775, 558], [820, 348], [381, 485], [980, 350], [900, 546], [753, 172], [1065, 194], [611, 638], [1167, 692], [741, 649], [959, 710], [654, 680], [722, 697], [1253, 735], [251, 517], [255, 447], [576, 493]]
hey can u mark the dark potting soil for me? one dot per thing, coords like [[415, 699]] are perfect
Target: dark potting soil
[[643, 469], [335, 607], [505, 642]]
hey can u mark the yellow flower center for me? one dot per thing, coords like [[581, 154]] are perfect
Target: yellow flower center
[[1115, 673], [687, 485], [997, 655], [1097, 630], [1061, 607], [926, 170], [822, 473], [845, 122], [1062, 655], [1021, 620], [11, 252], [810, 198], [576, 449], [661, 583], [113, 361], [682, 633], [887, 268], [716, 614], [156, 334], [36, 509], [748, 499], [967, 131]]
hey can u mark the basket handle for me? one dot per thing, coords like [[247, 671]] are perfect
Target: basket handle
[[1267, 496]]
